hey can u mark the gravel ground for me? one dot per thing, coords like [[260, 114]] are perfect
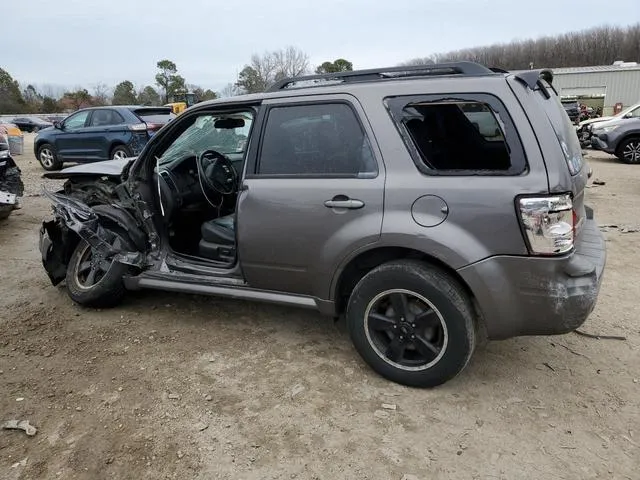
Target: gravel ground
[[180, 386]]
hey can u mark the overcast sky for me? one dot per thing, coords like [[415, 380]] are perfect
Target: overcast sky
[[82, 42]]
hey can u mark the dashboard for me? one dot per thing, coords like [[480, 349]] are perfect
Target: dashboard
[[179, 183]]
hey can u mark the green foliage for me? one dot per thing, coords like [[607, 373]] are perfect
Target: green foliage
[[339, 65], [78, 99], [149, 96], [124, 94], [11, 100], [203, 95], [49, 105], [32, 99], [250, 80], [168, 79]]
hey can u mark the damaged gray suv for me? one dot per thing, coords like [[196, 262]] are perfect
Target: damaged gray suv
[[429, 205]]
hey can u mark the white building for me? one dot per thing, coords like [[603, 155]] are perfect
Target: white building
[[600, 86]]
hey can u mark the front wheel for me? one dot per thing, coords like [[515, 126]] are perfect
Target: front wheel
[[412, 323], [629, 151], [93, 280], [48, 158]]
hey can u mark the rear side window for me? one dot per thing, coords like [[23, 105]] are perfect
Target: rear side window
[[563, 128], [322, 139], [102, 118], [459, 134], [159, 115]]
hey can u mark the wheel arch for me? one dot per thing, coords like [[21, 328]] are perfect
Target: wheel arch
[[115, 144], [627, 136], [366, 261]]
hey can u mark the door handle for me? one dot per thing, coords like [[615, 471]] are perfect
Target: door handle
[[343, 202]]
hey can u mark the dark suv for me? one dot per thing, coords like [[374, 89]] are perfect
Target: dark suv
[[99, 133], [430, 205]]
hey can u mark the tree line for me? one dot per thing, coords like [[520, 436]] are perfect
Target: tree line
[[168, 83], [594, 46]]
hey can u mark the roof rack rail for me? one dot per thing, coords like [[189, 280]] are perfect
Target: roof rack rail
[[453, 68]]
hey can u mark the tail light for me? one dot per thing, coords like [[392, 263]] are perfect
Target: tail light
[[549, 223], [154, 126]]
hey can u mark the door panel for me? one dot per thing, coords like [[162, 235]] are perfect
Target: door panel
[[315, 195], [70, 141], [105, 127]]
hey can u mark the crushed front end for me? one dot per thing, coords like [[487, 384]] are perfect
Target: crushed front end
[[74, 221], [11, 186]]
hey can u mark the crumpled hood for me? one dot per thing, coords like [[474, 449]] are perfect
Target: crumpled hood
[[110, 168], [595, 120]]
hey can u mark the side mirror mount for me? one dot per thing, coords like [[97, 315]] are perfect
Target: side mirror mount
[[628, 115], [57, 125]]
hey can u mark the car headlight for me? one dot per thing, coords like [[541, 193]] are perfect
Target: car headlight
[[609, 129]]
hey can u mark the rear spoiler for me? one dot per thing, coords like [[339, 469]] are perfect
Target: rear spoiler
[[533, 79]]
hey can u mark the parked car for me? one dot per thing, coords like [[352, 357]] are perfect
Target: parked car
[[620, 137], [369, 194], [99, 133], [30, 124], [573, 110], [585, 127]]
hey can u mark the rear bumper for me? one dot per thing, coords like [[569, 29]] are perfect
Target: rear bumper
[[521, 296]]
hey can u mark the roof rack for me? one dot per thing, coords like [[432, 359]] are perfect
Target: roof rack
[[454, 68]]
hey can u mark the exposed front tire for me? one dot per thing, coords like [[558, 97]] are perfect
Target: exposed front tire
[[48, 158], [412, 323], [629, 151], [93, 281], [120, 152]]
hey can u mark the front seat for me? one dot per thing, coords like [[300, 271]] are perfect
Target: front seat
[[218, 240]]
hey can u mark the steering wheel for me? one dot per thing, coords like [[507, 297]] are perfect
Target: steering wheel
[[217, 173]]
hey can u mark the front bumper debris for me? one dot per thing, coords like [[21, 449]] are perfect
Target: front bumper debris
[[74, 221]]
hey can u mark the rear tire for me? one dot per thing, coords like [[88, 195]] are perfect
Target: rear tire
[[48, 158], [432, 338], [120, 152], [94, 283], [629, 151]]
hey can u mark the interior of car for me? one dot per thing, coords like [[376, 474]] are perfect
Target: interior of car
[[198, 176], [458, 136]]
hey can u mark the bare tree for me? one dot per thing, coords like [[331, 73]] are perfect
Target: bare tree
[[265, 69], [230, 90], [101, 94]]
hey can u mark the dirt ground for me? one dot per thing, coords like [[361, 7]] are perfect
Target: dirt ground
[[180, 386]]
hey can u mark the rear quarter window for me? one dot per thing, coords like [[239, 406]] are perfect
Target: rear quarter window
[[562, 127], [460, 134]]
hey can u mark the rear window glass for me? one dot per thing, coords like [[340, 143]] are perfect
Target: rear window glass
[[469, 135], [158, 115], [563, 128]]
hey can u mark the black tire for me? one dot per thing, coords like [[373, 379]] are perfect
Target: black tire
[[108, 289], [120, 151], [48, 157], [450, 333], [629, 151]]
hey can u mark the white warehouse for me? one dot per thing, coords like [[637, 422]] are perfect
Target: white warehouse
[[603, 86]]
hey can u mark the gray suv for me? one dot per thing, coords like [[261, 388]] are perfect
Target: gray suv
[[620, 137], [428, 205]]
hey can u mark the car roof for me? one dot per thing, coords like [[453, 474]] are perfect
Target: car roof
[[401, 78]]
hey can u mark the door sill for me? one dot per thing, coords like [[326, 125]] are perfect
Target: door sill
[[223, 287]]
